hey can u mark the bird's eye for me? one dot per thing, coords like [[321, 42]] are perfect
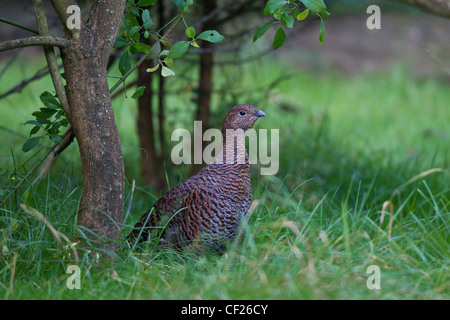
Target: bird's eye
[[242, 113]]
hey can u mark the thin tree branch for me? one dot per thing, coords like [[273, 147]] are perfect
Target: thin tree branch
[[17, 88], [61, 146], [50, 57], [34, 41], [9, 63], [18, 25], [213, 13], [123, 89], [13, 132], [122, 79]]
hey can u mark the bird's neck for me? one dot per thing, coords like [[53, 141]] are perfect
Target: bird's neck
[[233, 148]]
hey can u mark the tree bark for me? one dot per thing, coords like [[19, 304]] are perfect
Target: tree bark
[[206, 71], [33, 41], [85, 62], [146, 125], [205, 81], [146, 128]]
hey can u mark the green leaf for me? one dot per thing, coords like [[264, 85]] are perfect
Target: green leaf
[[34, 130], [211, 36], [142, 47], [124, 62], [156, 50], [302, 15], [287, 20], [41, 120], [147, 20], [49, 100], [134, 11], [262, 29], [187, 5], [131, 19], [316, 6], [274, 5], [166, 72], [168, 62], [137, 37], [120, 42], [30, 143], [165, 42], [322, 31], [190, 32], [138, 93], [36, 123], [44, 113], [164, 53], [178, 49], [133, 50], [153, 69], [179, 3], [279, 38], [146, 3], [55, 138]]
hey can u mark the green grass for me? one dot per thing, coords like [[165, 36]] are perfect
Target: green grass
[[347, 143]]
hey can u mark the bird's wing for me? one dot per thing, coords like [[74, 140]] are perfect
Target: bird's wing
[[163, 210]]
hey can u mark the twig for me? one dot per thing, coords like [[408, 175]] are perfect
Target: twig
[[13, 132], [9, 63], [122, 79], [212, 13], [18, 25], [50, 57], [121, 90], [60, 148], [41, 73], [33, 41]]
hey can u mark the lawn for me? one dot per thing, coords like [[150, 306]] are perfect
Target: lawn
[[353, 149]]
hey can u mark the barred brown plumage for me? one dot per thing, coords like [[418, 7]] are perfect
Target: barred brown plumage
[[209, 206]]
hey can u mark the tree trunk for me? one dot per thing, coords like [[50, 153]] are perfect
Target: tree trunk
[[149, 127], [146, 129], [85, 61], [205, 82], [206, 71]]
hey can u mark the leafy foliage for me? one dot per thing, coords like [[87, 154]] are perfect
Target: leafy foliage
[[138, 25], [49, 119], [285, 12]]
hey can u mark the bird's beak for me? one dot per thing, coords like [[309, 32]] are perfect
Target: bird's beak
[[259, 114]]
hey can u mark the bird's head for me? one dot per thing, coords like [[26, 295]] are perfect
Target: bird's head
[[242, 116]]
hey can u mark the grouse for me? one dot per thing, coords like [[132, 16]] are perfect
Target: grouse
[[208, 207]]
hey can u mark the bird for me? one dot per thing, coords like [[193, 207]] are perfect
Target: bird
[[205, 211]]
